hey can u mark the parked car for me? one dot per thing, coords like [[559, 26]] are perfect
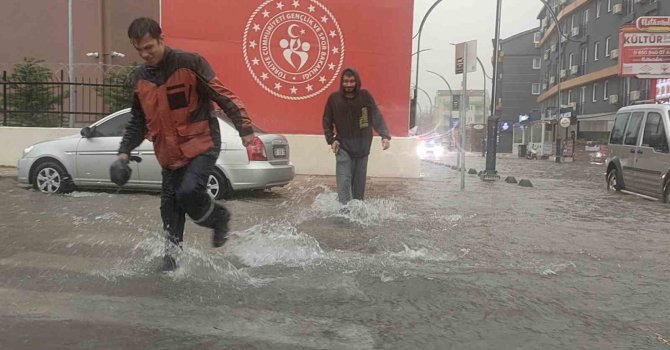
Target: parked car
[[82, 161], [639, 157]]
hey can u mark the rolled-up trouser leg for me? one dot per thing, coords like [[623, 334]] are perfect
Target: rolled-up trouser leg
[[343, 173], [172, 213], [360, 173], [192, 194]]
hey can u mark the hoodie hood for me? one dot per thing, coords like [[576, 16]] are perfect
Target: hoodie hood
[[358, 80]]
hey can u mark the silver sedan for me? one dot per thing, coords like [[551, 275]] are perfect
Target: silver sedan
[[82, 161]]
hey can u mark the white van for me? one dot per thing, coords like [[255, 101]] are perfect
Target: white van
[[639, 157]]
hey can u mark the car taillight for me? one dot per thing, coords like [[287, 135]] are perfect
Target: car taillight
[[256, 150]]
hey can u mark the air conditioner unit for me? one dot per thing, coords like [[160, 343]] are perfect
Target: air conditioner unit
[[614, 54], [546, 54], [564, 73], [575, 31], [552, 80], [573, 105], [553, 47], [537, 45], [640, 1], [563, 38], [574, 70], [614, 99], [634, 95], [617, 8]]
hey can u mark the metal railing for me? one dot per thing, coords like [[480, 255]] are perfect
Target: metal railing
[[47, 103]]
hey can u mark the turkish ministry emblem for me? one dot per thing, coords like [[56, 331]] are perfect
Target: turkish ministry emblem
[[294, 49]]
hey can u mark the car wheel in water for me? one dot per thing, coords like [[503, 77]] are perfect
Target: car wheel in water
[[51, 177], [218, 186], [613, 184]]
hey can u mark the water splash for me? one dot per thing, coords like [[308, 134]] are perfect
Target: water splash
[[372, 212], [423, 254], [275, 243]]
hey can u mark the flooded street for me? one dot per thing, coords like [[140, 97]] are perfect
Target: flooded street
[[419, 264]]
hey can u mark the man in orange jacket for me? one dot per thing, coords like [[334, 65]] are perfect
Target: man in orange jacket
[[172, 107]]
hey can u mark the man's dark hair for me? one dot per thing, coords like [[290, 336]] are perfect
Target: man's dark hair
[[143, 26]]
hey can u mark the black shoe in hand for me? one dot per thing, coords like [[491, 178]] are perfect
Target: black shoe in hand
[[220, 235]]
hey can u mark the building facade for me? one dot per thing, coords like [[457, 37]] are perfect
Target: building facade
[[519, 86], [448, 113], [579, 74]]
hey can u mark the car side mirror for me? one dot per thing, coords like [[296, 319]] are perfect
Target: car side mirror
[[87, 131]]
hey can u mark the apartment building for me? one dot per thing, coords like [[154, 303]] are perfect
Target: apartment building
[[519, 69], [581, 66]]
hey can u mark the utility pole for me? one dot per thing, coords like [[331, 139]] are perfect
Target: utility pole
[[491, 174], [73, 87], [464, 101]]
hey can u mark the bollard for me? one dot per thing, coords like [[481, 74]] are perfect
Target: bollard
[[510, 180], [525, 183], [472, 171]]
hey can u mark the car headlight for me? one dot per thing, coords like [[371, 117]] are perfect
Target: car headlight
[[27, 150]]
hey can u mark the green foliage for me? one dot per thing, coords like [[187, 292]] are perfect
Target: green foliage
[[118, 92], [29, 103]]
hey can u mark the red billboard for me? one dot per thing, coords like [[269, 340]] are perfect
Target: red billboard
[[645, 48], [284, 57]]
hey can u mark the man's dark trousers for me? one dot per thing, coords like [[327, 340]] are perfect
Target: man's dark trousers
[[184, 191]]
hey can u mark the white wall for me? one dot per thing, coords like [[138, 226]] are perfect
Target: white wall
[[309, 153]]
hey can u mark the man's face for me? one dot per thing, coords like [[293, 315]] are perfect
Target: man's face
[[150, 49], [349, 83]]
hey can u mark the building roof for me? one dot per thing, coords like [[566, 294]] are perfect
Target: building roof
[[516, 36]]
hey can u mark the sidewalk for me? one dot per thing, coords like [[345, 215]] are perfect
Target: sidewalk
[[7, 171]]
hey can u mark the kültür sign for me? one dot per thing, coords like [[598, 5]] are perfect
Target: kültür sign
[[645, 48]]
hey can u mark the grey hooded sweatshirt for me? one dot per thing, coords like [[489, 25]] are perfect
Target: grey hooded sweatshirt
[[351, 120]]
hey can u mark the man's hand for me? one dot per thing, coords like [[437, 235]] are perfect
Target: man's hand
[[123, 156], [386, 144], [247, 140], [335, 146]]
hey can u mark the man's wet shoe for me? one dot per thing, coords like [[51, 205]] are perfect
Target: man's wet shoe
[[169, 264], [220, 235]]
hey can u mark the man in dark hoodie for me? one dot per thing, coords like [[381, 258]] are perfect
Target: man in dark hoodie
[[353, 113]]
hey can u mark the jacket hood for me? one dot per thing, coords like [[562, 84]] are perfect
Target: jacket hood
[[358, 80]]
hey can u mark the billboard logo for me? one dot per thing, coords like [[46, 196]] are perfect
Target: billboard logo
[[658, 24], [294, 49]]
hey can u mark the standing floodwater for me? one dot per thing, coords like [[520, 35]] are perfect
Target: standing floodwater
[[419, 264]]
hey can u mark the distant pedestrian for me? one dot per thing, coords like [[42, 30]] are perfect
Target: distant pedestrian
[[172, 107], [348, 120]]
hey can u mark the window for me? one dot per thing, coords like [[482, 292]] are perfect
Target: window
[[616, 137], [596, 50], [573, 21], [569, 96], [537, 37], [585, 20], [606, 95], [535, 90], [582, 97], [114, 127], [607, 46], [585, 58], [599, 5], [594, 94], [633, 129], [629, 6], [654, 133], [609, 5], [571, 60], [537, 63]]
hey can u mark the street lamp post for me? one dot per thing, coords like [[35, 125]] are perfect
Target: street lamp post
[[418, 55], [448, 87], [490, 174]]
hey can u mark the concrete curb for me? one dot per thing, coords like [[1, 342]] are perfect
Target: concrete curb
[[6, 171]]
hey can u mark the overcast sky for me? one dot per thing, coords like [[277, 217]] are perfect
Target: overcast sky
[[454, 21]]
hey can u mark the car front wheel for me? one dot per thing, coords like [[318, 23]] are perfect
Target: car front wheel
[[218, 186], [613, 181], [50, 177]]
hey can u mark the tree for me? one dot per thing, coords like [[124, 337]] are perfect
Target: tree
[[117, 92], [30, 100]]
